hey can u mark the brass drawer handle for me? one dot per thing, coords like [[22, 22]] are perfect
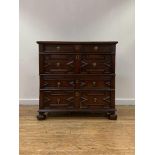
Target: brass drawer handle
[[94, 64], [58, 84], [58, 64], [95, 99], [94, 83], [96, 48], [58, 48]]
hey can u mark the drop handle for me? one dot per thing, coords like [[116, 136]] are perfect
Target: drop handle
[[58, 48], [95, 99], [94, 64], [58, 64], [94, 83], [96, 48], [58, 84]]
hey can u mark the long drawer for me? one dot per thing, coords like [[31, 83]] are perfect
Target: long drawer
[[76, 99], [86, 48], [76, 63], [77, 82]]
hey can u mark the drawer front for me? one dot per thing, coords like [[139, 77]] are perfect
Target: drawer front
[[88, 48], [95, 82], [95, 99], [97, 64], [57, 82], [106, 48], [58, 48], [57, 99], [77, 82], [57, 64], [76, 63], [76, 99]]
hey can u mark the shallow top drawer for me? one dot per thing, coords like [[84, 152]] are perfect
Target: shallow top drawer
[[69, 48], [56, 48], [105, 48]]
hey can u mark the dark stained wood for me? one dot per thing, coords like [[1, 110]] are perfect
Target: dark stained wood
[[77, 42], [81, 81], [77, 76]]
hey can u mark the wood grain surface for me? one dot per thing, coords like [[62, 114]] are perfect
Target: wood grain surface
[[77, 76], [76, 134]]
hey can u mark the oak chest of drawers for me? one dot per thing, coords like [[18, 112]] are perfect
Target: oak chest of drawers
[[77, 77]]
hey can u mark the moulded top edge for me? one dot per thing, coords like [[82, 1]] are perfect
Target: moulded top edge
[[77, 42]]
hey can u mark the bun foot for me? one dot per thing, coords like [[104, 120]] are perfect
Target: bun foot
[[113, 117], [41, 116]]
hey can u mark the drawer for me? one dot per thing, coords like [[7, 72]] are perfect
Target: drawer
[[95, 99], [77, 82], [57, 64], [58, 48], [76, 63], [67, 48], [57, 82], [106, 48], [76, 99], [97, 64], [95, 82], [57, 99]]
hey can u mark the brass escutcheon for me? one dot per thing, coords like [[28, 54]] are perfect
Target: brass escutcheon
[[58, 84], [58, 48], [96, 48], [58, 64], [77, 57], [94, 83], [95, 99], [94, 64]]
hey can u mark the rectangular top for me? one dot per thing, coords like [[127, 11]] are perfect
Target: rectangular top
[[77, 42]]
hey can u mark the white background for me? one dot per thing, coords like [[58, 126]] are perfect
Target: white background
[[76, 20]]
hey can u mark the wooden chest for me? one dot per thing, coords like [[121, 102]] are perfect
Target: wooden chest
[[77, 77]]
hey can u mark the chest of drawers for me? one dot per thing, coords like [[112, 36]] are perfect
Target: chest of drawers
[[77, 76]]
